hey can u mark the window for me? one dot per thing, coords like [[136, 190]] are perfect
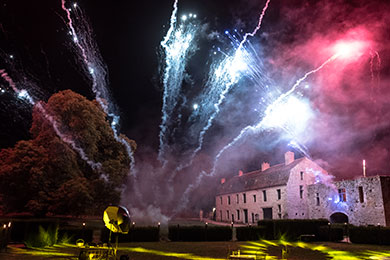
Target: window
[[265, 195], [244, 197], [238, 214], [342, 195], [301, 176], [227, 214], [237, 198], [279, 208], [229, 200], [301, 191], [317, 199], [361, 194], [220, 198], [254, 198], [220, 213], [280, 215], [279, 194]]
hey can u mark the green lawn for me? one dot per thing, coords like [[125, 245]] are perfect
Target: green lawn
[[215, 250]]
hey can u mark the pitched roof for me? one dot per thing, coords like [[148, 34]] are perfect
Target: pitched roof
[[276, 175]]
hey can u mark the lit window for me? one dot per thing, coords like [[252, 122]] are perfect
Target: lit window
[[342, 195], [279, 194], [301, 191], [265, 195]]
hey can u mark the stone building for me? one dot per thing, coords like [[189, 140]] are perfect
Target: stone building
[[301, 189], [361, 201], [273, 192]]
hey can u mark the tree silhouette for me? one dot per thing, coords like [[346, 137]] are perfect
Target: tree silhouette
[[45, 175]]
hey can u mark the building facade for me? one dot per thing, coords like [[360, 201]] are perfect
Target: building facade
[[301, 189], [277, 192], [361, 201]]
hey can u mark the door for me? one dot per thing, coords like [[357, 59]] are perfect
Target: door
[[267, 213]]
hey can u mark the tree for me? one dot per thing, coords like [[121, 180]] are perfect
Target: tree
[[46, 175]]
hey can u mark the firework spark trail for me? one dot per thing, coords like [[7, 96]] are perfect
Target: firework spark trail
[[227, 74], [164, 44], [23, 94], [177, 46], [258, 25], [375, 81], [268, 111], [96, 71], [374, 67], [247, 130]]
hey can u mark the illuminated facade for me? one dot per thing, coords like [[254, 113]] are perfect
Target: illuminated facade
[[301, 189], [361, 201], [277, 192]]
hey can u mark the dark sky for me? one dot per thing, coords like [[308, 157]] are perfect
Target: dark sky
[[128, 34]]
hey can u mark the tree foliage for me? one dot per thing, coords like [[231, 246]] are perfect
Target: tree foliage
[[45, 175]]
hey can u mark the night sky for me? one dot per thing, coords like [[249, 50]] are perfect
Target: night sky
[[351, 119]]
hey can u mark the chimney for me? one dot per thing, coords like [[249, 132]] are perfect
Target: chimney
[[240, 173], [288, 157], [364, 168], [264, 166], [223, 180]]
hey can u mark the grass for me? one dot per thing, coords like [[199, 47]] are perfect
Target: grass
[[213, 250]]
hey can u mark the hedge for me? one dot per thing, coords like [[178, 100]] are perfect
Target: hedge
[[70, 235], [199, 233], [330, 233], [136, 234], [291, 229], [250, 233], [369, 235]]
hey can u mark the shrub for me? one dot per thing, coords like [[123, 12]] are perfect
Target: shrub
[[42, 237], [291, 229], [219, 234], [250, 233], [369, 235], [70, 235], [330, 233], [136, 234], [199, 233], [190, 233]]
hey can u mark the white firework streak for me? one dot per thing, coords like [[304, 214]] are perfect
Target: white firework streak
[[23, 94], [177, 46], [248, 129], [95, 70], [226, 74]]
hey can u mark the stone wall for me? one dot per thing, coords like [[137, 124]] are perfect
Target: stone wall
[[297, 207], [290, 205], [385, 181], [366, 208], [252, 207]]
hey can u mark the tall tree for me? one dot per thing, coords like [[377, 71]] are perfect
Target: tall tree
[[45, 175]]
